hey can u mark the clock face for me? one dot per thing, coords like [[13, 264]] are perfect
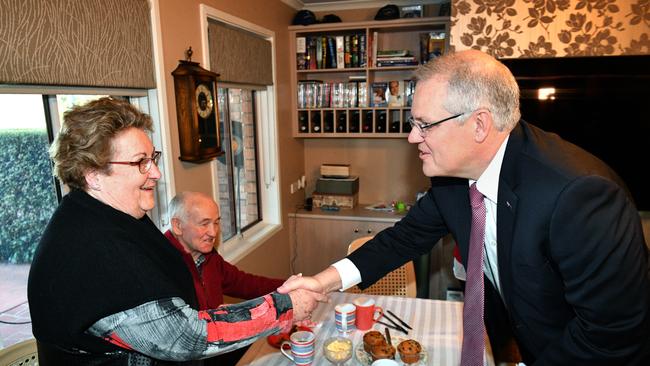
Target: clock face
[[204, 101]]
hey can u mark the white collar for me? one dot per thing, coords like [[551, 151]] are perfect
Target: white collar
[[488, 182]]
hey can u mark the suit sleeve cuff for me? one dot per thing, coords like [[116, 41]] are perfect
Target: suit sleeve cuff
[[348, 272]]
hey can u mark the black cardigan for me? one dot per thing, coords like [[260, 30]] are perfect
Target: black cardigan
[[94, 261]]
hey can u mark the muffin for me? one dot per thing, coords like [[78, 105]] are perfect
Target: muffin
[[409, 351], [383, 350], [372, 338]]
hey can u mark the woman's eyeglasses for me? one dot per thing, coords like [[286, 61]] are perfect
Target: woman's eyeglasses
[[144, 164]]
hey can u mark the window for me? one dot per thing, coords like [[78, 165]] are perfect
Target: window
[[237, 167], [29, 194], [245, 182]]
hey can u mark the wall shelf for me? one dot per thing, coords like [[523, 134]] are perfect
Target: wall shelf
[[317, 83]]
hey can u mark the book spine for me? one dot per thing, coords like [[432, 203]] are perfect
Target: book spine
[[354, 51], [396, 63], [362, 50], [375, 41], [363, 94], [340, 52], [301, 49], [323, 49], [319, 52], [347, 51], [313, 62], [331, 52]]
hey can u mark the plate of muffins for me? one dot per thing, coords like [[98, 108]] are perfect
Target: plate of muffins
[[375, 346]]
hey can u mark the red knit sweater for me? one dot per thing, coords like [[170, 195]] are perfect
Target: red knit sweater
[[219, 278]]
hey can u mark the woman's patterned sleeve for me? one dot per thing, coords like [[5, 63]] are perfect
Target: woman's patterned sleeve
[[168, 329]]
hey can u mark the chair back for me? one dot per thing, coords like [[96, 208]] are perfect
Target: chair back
[[20, 354], [400, 282]]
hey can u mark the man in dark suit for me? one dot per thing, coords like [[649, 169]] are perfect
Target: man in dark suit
[[564, 257]]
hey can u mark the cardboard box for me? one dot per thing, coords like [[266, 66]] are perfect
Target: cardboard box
[[338, 200], [335, 170], [338, 185]]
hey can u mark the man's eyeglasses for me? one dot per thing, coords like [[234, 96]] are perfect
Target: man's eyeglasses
[[144, 164], [424, 126]]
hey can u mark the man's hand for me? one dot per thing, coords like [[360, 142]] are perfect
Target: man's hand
[[324, 282], [304, 302], [299, 282]]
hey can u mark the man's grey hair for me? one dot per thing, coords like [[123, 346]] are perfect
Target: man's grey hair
[[476, 80], [178, 205]]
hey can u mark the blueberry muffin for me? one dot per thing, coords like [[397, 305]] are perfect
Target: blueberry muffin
[[371, 339], [383, 350], [409, 351]]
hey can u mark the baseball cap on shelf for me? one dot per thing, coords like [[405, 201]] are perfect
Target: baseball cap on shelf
[[387, 12], [331, 18], [304, 17]]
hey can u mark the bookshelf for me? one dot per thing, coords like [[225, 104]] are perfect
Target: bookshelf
[[329, 97]]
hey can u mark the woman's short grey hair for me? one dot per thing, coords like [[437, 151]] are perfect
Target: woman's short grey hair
[[476, 80], [85, 140]]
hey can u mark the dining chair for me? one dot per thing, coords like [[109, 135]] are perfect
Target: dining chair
[[20, 354], [400, 282]]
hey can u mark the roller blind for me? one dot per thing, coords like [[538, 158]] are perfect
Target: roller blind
[[99, 43], [239, 56]]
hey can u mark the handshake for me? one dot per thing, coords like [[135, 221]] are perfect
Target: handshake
[[306, 292]]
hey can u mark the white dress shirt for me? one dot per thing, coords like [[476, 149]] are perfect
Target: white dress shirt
[[488, 185]]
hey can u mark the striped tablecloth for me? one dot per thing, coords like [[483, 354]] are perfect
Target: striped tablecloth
[[437, 325]]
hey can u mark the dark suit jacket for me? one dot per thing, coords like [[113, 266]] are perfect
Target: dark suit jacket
[[572, 259]]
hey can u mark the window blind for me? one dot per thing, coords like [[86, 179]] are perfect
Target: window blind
[[239, 56], [95, 43]]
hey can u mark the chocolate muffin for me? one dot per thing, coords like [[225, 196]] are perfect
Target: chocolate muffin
[[409, 351], [371, 339], [380, 351]]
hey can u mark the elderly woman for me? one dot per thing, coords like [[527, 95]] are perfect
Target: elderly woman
[[105, 286]]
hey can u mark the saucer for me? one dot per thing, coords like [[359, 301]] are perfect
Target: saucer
[[365, 359]]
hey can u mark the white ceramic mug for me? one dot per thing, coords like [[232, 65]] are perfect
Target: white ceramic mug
[[345, 317]]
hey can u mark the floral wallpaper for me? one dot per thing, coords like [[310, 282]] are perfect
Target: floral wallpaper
[[551, 28]]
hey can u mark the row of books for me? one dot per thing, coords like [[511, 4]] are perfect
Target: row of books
[[385, 58], [316, 94], [395, 93], [331, 52], [332, 95], [396, 61], [352, 51]]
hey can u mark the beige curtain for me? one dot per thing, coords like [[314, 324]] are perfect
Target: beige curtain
[[100, 43], [239, 56]]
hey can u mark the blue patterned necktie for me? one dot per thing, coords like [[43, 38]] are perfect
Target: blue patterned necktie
[[473, 325]]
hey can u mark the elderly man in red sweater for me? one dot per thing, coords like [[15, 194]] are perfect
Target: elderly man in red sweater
[[195, 220]]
